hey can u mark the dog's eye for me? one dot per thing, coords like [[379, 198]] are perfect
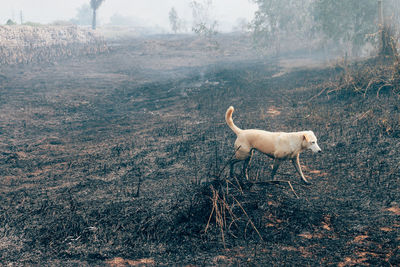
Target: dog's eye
[[313, 142]]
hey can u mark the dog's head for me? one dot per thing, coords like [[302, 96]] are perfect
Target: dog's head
[[310, 141]]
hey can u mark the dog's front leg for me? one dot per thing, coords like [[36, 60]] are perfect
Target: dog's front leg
[[296, 163], [277, 163]]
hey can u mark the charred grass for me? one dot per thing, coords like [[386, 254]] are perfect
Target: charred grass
[[111, 171]]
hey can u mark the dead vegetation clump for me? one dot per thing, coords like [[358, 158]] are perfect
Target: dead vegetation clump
[[25, 44], [364, 78]]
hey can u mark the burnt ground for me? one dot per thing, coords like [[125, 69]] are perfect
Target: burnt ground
[[80, 138]]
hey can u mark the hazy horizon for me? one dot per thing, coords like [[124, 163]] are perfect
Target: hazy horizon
[[151, 12]]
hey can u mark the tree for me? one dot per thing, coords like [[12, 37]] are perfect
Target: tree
[[174, 20], [277, 18], [387, 28], [95, 4], [350, 22], [10, 22], [84, 16], [203, 24]]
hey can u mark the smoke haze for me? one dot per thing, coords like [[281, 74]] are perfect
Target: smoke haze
[[151, 12]]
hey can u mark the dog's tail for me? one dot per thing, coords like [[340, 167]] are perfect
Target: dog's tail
[[229, 121]]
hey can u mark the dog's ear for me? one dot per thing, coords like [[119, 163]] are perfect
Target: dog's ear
[[306, 137]]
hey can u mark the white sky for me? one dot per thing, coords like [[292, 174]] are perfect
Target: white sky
[[155, 12]]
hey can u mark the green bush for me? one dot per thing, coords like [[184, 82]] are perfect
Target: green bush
[[10, 22]]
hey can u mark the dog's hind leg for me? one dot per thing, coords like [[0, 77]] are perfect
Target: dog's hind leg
[[245, 167], [277, 163], [232, 163], [296, 163], [242, 153], [246, 164]]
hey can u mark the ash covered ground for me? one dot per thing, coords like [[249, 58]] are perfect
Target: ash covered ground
[[120, 159]]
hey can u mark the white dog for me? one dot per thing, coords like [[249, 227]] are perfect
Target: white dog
[[277, 145]]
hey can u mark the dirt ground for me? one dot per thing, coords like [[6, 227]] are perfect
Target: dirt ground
[[120, 158]]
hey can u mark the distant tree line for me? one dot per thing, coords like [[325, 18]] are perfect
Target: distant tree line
[[346, 23]]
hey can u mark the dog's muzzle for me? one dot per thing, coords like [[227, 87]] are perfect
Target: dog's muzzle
[[315, 148]]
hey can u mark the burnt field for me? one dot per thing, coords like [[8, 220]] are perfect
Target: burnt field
[[120, 159]]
